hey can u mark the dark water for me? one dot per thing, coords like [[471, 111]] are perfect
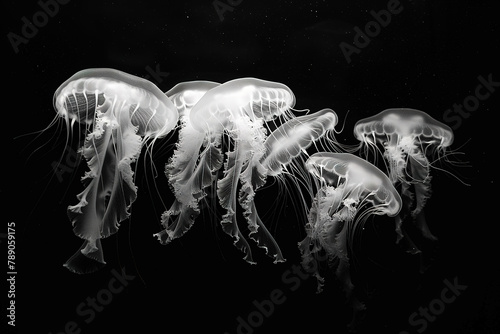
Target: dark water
[[428, 55]]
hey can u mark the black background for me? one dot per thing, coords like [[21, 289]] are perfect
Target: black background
[[429, 57]]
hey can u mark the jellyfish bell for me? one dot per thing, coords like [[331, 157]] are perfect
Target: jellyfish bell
[[148, 108], [403, 133], [185, 95], [295, 136], [253, 98], [350, 190], [120, 112], [409, 138], [360, 180], [393, 125]]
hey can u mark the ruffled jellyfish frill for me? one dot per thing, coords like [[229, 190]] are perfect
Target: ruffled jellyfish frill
[[189, 170], [120, 112], [350, 189], [409, 137]]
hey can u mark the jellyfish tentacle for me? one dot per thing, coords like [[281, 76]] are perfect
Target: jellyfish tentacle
[[421, 180], [124, 192], [188, 210], [263, 237], [185, 218], [86, 216], [313, 244], [188, 176], [258, 232], [226, 192], [183, 163], [109, 150], [420, 172], [325, 232], [248, 136], [252, 177]]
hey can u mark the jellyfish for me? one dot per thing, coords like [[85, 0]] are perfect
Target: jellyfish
[[120, 112], [409, 138], [350, 190], [230, 117]]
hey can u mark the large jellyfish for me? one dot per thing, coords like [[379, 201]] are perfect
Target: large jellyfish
[[409, 138], [350, 189], [120, 113], [229, 116]]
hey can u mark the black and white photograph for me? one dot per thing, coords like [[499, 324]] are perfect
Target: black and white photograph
[[247, 167]]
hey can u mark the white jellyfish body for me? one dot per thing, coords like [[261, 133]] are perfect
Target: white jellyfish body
[[242, 100], [230, 116], [295, 136], [121, 112], [409, 137], [350, 189]]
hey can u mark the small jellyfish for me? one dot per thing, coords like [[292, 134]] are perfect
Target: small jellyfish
[[350, 190], [120, 112], [229, 117], [409, 138], [293, 137]]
